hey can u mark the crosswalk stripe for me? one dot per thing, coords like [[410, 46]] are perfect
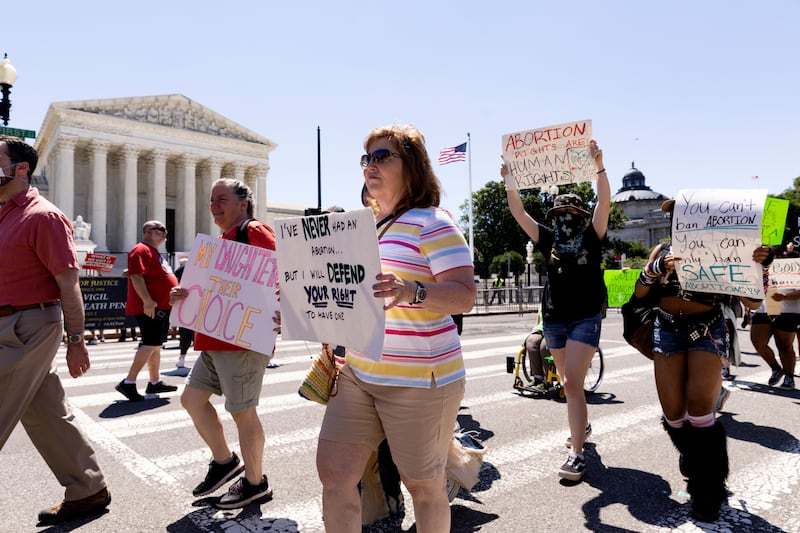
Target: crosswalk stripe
[[522, 462]]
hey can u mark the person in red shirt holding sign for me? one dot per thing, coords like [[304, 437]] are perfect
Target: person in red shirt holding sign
[[150, 279], [231, 370]]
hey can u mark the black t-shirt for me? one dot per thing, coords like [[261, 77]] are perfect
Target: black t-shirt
[[574, 288]]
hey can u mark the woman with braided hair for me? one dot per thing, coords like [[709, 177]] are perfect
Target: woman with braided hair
[[690, 340]]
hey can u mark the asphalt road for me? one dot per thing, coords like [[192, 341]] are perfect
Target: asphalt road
[[152, 456]]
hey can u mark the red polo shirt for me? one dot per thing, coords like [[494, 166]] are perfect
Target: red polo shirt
[[145, 260], [36, 243]]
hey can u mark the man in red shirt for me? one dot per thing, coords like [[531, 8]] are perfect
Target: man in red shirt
[[39, 281], [150, 279], [228, 369]]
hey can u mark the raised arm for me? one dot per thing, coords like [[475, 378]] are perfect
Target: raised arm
[[526, 222], [603, 207]]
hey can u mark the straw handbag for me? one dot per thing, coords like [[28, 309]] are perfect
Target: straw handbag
[[320, 382]]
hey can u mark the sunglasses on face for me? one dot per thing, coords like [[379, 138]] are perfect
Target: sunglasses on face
[[377, 157], [162, 229]]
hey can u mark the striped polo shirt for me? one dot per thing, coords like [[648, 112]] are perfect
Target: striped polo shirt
[[421, 347]]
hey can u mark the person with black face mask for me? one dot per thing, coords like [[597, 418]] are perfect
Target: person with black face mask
[[574, 294]]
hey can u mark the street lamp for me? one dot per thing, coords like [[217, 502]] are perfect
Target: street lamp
[[529, 259], [8, 75]]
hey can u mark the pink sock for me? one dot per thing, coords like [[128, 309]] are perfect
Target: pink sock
[[702, 421]]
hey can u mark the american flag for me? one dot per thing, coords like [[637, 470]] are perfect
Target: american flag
[[451, 154]]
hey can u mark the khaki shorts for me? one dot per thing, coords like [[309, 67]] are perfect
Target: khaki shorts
[[236, 375], [418, 423]]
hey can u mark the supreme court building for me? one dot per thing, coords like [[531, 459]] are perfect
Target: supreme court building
[[122, 161]]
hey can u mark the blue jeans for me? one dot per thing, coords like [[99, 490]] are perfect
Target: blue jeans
[[669, 340], [585, 330]]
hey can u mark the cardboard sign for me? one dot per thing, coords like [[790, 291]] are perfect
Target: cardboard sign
[[784, 274], [231, 288], [714, 233], [553, 155], [328, 264], [101, 262], [620, 285]]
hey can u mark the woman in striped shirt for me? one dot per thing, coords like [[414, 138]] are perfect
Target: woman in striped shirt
[[410, 393]]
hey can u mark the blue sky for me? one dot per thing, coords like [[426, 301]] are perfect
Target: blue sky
[[698, 94]]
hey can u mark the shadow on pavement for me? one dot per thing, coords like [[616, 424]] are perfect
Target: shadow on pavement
[[647, 498], [249, 518], [769, 437], [646, 495], [125, 407], [598, 398]]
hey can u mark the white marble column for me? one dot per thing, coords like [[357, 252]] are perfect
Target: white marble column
[[158, 185], [64, 177], [131, 227], [238, 171], [99, 195], [259, 187], [185, 205], [214, 173]]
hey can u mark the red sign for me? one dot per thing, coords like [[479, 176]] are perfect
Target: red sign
[[100, 262]]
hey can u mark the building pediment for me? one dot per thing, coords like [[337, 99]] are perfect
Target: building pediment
[[171, 111]]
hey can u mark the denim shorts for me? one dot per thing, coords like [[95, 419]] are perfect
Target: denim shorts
[[668, 341], [585, 330]]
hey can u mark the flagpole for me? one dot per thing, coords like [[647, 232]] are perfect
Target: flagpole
[[469, 166]]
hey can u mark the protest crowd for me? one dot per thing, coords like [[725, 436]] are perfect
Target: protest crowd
[[402, 270]]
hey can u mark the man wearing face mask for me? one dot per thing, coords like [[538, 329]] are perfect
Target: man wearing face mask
[[39, 282]]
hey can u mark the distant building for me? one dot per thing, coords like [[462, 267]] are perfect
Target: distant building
[[121, 161], [646, 223]]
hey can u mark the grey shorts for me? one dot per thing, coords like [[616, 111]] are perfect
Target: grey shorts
[[236, 375]]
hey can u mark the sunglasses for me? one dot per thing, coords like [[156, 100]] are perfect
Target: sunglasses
[[162, 229], [377, 157]]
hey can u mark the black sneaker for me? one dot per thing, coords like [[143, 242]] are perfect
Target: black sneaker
[[775, 376], [218, 475], [129, 391], [242, 492], [155, 388], [588, 434], [573, 468], [788, 382]]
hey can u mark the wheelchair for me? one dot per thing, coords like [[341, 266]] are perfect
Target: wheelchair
[[518, 365]]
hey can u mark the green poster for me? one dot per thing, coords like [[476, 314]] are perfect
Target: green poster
[[773, 221], [620, 284]]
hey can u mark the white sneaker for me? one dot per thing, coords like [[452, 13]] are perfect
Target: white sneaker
[[181, 362]]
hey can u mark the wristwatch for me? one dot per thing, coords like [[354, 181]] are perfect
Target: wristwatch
[[420, 295], [75, 338]]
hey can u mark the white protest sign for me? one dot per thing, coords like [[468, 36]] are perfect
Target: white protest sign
[[784, 274], [231, 293], [553, 155], [714, 233], [328, 264]]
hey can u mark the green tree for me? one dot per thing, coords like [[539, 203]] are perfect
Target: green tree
[[500, 264], [496, 232]]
